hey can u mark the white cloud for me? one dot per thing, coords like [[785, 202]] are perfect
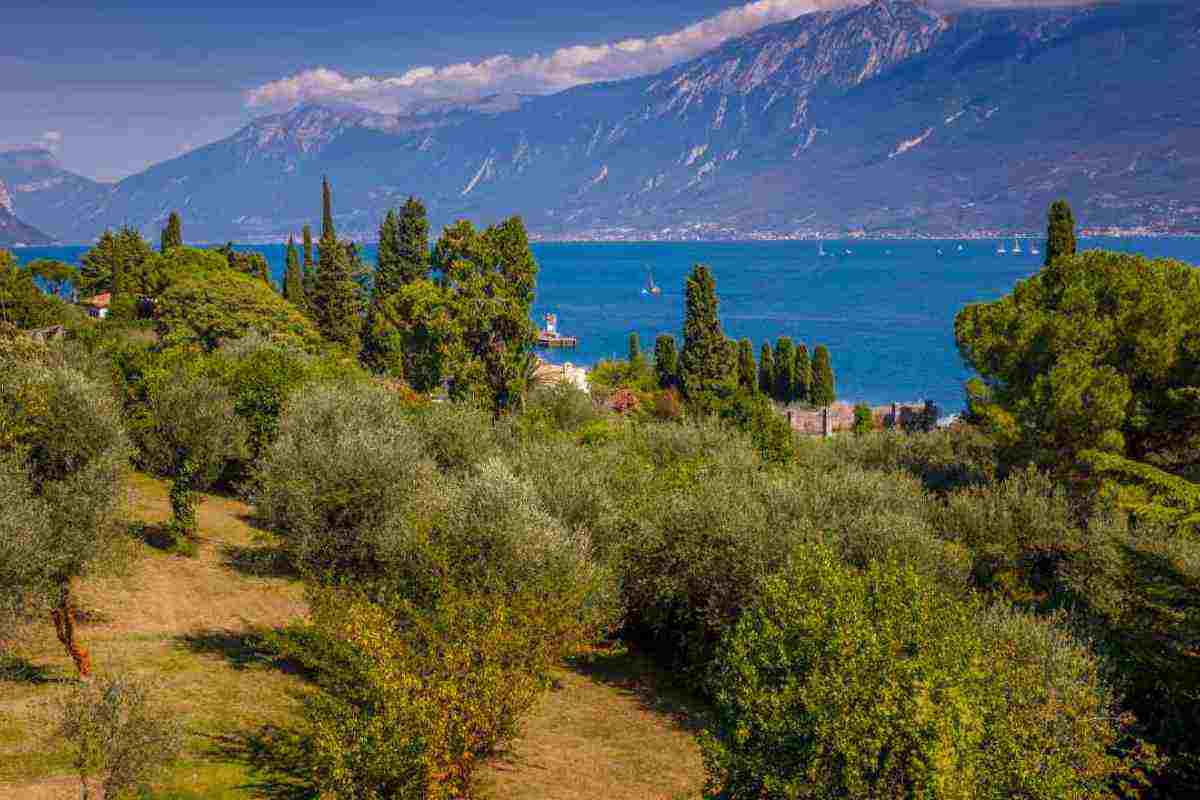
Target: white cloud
[[52, 141], [560, 69]]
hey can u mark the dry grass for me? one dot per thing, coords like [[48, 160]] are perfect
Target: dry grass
[[609, 730], [190, 624]]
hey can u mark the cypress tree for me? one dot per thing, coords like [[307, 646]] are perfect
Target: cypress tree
[[747, 369], [336, 301], [802, 375], [388, 269], [310, 271], [785, 370], [666, 361], [1060, 233], [823, 392], [293, 280], [704, 361], [766, 370], [635, 347], [172, 235], [412, 241]]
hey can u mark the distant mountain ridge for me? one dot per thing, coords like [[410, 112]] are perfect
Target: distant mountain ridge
[[12, 230], [887, 119]]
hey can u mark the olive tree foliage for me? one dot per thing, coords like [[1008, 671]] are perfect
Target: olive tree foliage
[[63, 455], [344, 469], [191, 434], [879, 683], [443, 593], [117, 736]]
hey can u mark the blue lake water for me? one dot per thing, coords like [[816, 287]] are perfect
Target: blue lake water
[[885, 309]]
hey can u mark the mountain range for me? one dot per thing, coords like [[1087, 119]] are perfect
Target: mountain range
[[12, 230], [886, 118]]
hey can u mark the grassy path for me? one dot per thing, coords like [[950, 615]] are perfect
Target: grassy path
[[190, 624]]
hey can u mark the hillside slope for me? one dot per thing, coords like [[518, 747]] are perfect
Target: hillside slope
[[195, 627]]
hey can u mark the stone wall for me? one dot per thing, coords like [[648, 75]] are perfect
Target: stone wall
[[840, 417]]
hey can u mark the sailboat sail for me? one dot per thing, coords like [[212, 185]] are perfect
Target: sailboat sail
[[651, 288], [1016, 246]]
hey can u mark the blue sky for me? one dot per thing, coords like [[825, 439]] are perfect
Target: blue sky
[[124, 86]]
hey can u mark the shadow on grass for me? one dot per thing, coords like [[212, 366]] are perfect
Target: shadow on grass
[[18, 669], [267, 561], [277, 758], [159, 536], [654, 688], [241, 649]]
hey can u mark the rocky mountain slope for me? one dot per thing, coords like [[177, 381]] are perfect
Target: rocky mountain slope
[[12, 230], [888, 118]]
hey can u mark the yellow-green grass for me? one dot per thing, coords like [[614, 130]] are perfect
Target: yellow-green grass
[[191, 625]]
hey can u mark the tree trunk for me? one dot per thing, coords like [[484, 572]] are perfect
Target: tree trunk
[[64, 623]]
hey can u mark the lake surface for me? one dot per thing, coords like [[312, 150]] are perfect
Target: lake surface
[[885, 310]]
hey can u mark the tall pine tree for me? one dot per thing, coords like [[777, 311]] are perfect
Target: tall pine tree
[[310, 269], [336, 301], [172, 235], [293, 279], [823, 392], [412, 241], [388, 274], [802, 375], [666, 361], [704, 363], [635, 347], [785, 370], [747, 369], [766, 370], [1060, 233]]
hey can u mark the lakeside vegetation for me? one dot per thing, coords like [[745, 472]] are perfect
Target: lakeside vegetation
[[1006, 608]]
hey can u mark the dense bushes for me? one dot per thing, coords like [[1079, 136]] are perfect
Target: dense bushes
[[838, 683], [466, 592]]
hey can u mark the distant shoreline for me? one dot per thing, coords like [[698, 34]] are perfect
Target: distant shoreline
[[1084, 233]]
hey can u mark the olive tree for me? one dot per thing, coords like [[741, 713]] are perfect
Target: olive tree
[[63, 454], [192, 435], [116, 735]]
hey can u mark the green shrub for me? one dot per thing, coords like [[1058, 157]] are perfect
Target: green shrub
[[222, 306], [562, 405], [344, 471], [864, 421], [262, 375], [455, 435], [1021, 533], [754, 414], [879, 684], [117, 736], [943, 460], [418, 697]]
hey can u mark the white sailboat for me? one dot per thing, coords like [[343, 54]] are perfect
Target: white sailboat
[[1001, 249], [1016, 251], [651, 287], [1033, 249], [821, 249]]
